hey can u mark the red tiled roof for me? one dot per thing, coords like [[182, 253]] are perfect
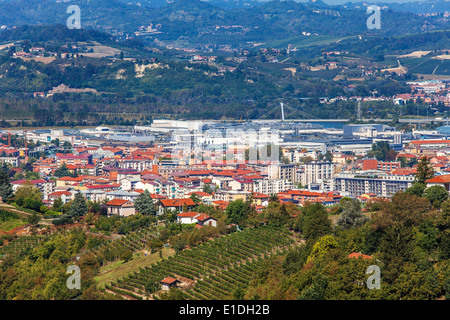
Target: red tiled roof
[[59, 193], [117, 202], [406, 155], [420, 142], [30, 181], [177, 202], [204, 217], [188, 214], [440, 179], [358, 255], [169, 280], [199, 193]]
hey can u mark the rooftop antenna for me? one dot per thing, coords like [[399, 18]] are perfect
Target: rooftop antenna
[[282, 111]]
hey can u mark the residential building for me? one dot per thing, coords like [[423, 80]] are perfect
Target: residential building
[[119, 207]]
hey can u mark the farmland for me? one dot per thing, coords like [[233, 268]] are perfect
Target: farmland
[[20, 245], [206, 268]]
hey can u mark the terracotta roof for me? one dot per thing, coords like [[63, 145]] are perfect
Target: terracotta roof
[[169, 280], [30, 181], [358, 255], [177, 202], [199, 193], [60, 193], [117, 202], [440, 179], [420, 142], [204, 217], [188, 214]]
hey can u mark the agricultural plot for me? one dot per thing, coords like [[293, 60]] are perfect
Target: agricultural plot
[[134, 241], [432, 66], [20, 245], [229, 259]]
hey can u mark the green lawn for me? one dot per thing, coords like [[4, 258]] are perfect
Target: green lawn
[[119, 269]]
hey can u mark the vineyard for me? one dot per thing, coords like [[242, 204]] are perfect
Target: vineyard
[[20, 244], [210, 271], [113, 249]]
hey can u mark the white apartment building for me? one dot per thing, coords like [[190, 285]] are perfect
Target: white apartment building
[[377, 182], [282, 172], [316, 172], [271, 186]]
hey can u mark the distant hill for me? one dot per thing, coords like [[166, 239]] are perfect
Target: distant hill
[[57, 33], [422, 7], [216, 22]]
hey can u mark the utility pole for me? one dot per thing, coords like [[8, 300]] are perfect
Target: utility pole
[[359, 111], [282, 111], [26, 146]]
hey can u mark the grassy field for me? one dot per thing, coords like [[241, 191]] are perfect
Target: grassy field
[[118, 269], [427, 66], [6, 226], [10, 220], [303, 41]]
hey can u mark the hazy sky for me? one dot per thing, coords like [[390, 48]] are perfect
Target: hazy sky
[[373, 1], [367, 1]]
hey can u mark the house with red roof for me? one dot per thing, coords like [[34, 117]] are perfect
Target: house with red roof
[[220, 204], [175, 204], [65, 196], [46, 187], [240, 183], [168, 283], [442, 180], [203, 196], [120, 207], [259, 198], [68, 181], [194, 217], [357, 255]]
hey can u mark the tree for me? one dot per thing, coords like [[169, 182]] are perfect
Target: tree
[[144, 204], [27, 192], [380, 150], [273, 197], [416, 189], [207, 188], [436, 195], [6, 191], [316, 291], [276, 214], [424, 170], [195, 198], [126, 255], [79, 206], [351, 216], [322, 247], [34, 219], [62, 171], [238, 211], [313, 222]]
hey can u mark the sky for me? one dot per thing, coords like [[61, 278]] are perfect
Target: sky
[[367, 1], [373, 1]]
